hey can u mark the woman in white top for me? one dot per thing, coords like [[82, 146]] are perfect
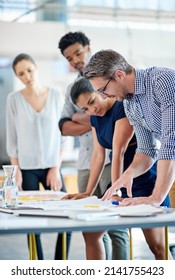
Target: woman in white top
[[33, 137]]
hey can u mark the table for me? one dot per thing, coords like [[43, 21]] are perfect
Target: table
[[48, 200], [11, 224]]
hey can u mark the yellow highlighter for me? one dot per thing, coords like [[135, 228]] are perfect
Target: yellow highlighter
[[91, 206]]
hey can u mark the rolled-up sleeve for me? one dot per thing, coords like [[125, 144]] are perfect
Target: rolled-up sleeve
[[165, 89], [167, 149], [146, 140], [147, 143]]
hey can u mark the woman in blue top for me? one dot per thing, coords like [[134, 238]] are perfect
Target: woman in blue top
[[111, 129]]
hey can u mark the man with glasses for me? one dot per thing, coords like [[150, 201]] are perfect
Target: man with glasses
[[149, 101], [75, 47]]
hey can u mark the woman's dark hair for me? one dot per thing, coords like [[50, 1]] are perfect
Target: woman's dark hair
[[22, 56], [72, 38], [81, 86]]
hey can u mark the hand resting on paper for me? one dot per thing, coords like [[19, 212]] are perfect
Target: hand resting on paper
[[139, 200], [75, 196], [116, 197]]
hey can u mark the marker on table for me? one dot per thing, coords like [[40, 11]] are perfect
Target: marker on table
[[91, 206], [115, 202]]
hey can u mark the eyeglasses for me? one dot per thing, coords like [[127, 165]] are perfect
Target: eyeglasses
[[102, 90]]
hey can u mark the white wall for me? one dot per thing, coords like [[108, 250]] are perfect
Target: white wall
[[40, 39], [141, 48]]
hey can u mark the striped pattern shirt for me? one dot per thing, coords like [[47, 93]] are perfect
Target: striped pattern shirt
[[151, 111]]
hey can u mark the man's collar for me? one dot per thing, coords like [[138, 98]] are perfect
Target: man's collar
[[139, 81]]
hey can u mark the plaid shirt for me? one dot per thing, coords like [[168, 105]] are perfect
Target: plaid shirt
[[151, 111]]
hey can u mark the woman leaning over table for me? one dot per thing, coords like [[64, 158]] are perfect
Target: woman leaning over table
[[33, 137]]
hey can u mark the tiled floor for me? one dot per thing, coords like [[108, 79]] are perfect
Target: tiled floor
[[14, 247]]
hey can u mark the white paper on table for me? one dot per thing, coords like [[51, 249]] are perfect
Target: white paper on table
[[140, 210], [83, 204], [95, 215]]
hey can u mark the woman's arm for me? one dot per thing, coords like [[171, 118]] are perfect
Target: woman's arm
[[123, 133], [11, 138], [54, 178], [97, 164], [54, 174], [96, 168], [14, 161]]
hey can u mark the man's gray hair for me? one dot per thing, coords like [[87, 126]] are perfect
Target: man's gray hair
[[104, 63]]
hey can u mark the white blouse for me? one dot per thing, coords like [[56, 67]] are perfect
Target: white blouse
[[34, 137]]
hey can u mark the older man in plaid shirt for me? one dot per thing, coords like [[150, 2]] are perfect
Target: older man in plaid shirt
[[149, 101]]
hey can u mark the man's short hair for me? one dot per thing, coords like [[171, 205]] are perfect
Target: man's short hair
[[72, 38]]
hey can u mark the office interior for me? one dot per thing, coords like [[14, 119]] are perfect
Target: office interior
[[143, 31]]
